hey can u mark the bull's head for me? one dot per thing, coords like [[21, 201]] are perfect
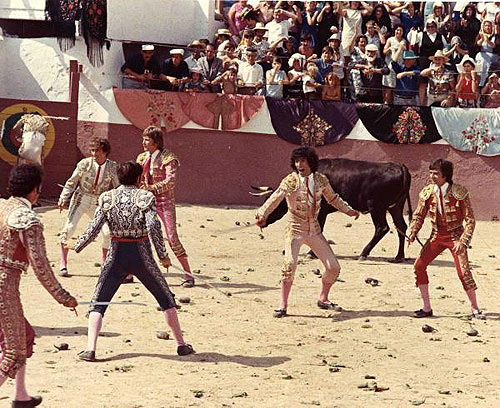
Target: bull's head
[[279, 212]]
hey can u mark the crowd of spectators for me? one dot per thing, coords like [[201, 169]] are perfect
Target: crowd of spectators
[[407, 53]]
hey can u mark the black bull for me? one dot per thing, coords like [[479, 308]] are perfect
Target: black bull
[[368, 187]]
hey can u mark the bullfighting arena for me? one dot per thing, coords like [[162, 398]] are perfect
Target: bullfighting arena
[[373, 354]]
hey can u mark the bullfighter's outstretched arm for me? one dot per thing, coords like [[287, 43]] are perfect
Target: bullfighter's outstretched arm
[[274, 200], [334, 199]]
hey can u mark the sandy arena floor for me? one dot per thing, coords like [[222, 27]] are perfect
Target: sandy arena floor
[[247, 358]]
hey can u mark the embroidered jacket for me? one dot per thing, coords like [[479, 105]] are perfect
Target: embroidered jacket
[[22, 243], [130, 212], [82, 181], [163, 178], [457, 208], [303, 214]]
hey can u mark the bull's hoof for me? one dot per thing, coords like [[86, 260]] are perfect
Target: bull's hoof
[[311, 255], [362, 258], [397, 260]]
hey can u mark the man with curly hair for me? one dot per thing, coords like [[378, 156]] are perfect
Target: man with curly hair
[[303, 190], [93, 176], [449, 207], [23, 244]]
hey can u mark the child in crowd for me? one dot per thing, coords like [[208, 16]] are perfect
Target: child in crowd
[[228, 80], [331, 89], [310, 81], [275, 79], [194, 84]]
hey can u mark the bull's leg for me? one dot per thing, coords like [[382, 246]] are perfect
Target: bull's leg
[[400, 223], [321, 220], [381, 228]]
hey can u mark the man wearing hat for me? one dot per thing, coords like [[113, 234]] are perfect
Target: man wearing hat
[[223, 37], [174, 70], [195, 49], [441, 82], [141, 68], [250, 74], [259, 42], [371, 70], [338, 58], [407, 77]]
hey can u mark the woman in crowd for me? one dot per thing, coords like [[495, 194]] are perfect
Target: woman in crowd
[[467, 89], [382, 19], [468, 28], [309, 17], [235, 21], [486, 41], [294, 89], [358, 55], [352, 19], [328, 20], [391, 47], [246, 42], [441, 18], [266, 10], [491, 92], [410, 17], [441, 82]]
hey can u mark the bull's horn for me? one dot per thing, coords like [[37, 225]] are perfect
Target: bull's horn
[[261, 194], [261, 188]]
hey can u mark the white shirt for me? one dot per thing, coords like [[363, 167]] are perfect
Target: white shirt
[[153, 158], [101, 174], [311, 186], [251, 74], [444, 189], [278, 30]]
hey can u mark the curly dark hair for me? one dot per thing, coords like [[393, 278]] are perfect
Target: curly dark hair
[[155, 134], [445, 167], [101, 143], [23, 179], [307, 153], [129, 173]]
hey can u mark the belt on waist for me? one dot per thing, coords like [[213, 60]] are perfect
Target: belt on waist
[[129, 239]]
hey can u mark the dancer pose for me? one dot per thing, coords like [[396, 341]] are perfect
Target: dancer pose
[[23, 244], [303, 190], [159, 172], [131, 216], [448, 205], [92, 177]]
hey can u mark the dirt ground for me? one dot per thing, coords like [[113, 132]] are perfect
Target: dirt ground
[[247, 358]]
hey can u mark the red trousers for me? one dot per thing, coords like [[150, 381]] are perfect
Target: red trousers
[[432, 248]]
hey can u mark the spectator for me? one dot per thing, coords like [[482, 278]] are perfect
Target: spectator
[[229, 80], [392, 45], [250, 17], [410, 17], [211, 68], [174, 70], [491, 92], [141, 68], [407, 75], [310, 82], [352, 19], [229, 56], [309, 17], [266, 10], [195, 48], [223, 37], [328, 21], [441, 82], [455, 52], [275, 79], [286, 52], [337, 57], [374, 35], [195, 82], [468, 29], [294, 7], [295, 75], [250, 74], [441, 18], [467, 89], [325, 63], [306, 48], [358, 54], [246, 42], [235, 22], [491, 10], [382, 19], [278, 28], [259, 43], [331, 90], [486, 41]]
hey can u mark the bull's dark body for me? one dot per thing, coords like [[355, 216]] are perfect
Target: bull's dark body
[[368, 187]]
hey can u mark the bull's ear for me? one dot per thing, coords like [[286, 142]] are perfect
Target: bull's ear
[[261, 194], [262, 188]]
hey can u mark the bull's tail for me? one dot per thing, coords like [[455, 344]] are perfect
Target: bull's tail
[[406, 187]]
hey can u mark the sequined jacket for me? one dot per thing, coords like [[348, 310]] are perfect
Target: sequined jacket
[[303, 214], [22, 243], [130, 212], [165, 168], [81, 181], [457, 208]]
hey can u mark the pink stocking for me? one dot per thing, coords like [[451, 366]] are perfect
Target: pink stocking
[[95, 325], [64, 257], [175, 326], [286, 287], [471, 293], [424, 292], [183, 260]]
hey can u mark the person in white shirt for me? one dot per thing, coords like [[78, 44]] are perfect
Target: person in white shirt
[[250, 74], [278, 28]]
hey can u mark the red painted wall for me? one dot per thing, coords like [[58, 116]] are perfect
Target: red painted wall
[[219, 167]]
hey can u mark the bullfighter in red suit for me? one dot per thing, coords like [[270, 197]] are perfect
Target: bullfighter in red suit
[[23, 244], [159, 176], [449, 207]]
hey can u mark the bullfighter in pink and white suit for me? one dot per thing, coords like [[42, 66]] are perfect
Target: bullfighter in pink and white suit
[[159, 176]]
